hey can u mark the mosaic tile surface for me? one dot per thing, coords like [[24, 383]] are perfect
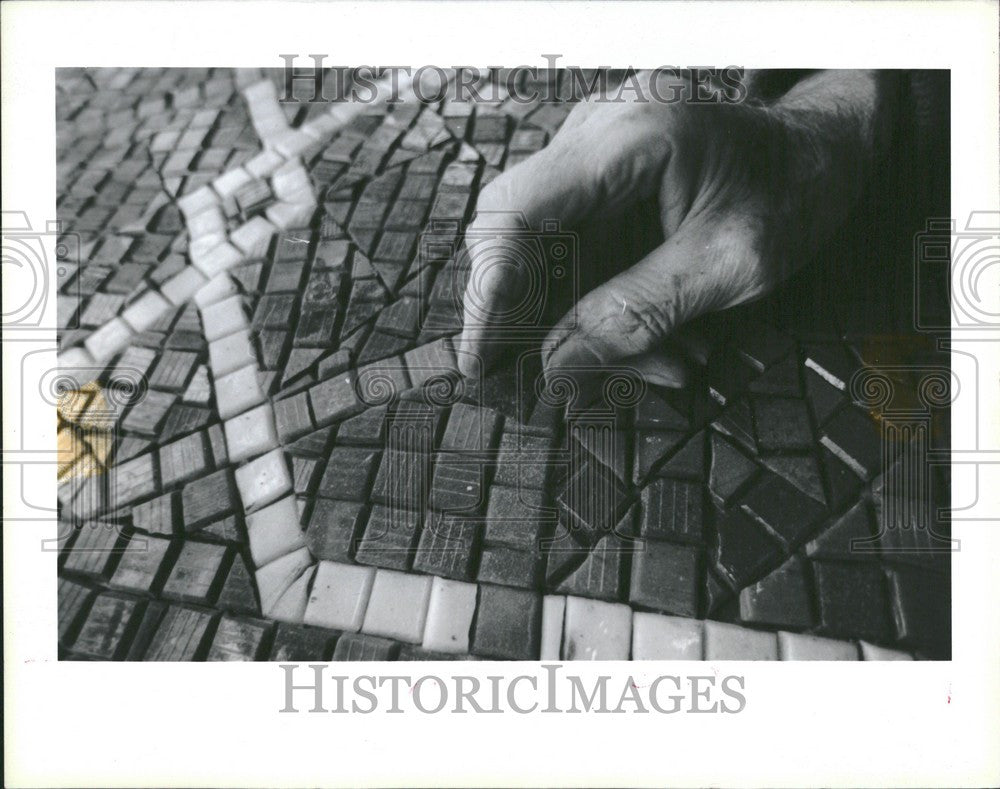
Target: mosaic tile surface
[[270, 453]]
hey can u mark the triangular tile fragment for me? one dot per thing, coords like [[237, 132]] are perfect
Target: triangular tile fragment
[[238, 593], [689, 462], [131, 447], [299, 360], [802, 471], [313, 445], [224, 529], [730, 469]]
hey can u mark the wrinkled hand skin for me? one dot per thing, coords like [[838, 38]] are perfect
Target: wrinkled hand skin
[[747, 194]]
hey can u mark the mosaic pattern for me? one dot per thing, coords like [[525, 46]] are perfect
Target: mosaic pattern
[[270, 452]]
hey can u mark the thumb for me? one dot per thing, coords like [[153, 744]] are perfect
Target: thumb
[[631, 315]]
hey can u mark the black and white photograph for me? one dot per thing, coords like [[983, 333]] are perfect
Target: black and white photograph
[[361, 370], [599, 365]]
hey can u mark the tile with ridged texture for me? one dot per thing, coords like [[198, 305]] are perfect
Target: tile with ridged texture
[[348, 474], [134, 480], [457, 485], [106, 631], [183, 460], [196, 573], [182, 635], [672, 510], [238, 640], [95, 549], [208, 499], [142, 564], [600, 574], [301, 643], [389, 538], [334, 529], [334, 400], [447, 547], [238, 592]]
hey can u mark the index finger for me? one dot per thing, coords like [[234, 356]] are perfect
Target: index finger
[[561, 183]]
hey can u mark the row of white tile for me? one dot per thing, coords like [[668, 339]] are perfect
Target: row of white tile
[[438, 614]]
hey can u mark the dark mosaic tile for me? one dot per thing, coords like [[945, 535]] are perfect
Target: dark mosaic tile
[[390, 538], [292, 417], [182, 635], [855, 440], [743, 549], [239, 640], [853, 528], [852, 601], [501, 564], [601, 574], [921, 610], [782, 424], [158, 516], [783, 508], [517, 517], [109, 626], [457, 486], [208, 499], [183, 460], [334, 529], [507, 623], [672, 510], [448, 547], [666, 577], [780, 600], [299, 643], [730, 469], [73, 601], [143, 564], [238, 591], [196, 575], [348, 474]]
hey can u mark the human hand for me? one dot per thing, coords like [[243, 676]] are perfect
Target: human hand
[[747, 194]]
